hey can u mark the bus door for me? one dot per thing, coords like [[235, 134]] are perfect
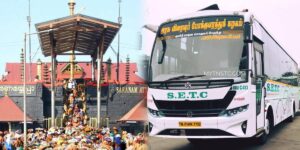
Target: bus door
[[260, 80]]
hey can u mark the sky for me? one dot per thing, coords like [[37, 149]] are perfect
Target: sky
[[280, 18], [13, 14]]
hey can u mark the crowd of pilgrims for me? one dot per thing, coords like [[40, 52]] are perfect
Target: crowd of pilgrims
[[74, 138], [75, 110], [75, 134]]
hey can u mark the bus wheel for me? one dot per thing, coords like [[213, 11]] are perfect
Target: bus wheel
[[291, 118], [264, 137]]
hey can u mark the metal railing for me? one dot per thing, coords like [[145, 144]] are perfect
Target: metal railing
[[92, 122]]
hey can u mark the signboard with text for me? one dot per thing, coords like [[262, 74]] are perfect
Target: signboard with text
[[17, 90], [209, 28]]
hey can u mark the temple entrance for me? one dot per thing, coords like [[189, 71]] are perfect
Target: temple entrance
[[75, 108], [75, 35]]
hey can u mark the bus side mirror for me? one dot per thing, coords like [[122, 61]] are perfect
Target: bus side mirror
[[247, 33]]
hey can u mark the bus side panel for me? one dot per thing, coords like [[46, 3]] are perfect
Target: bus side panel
[[281, 71], [280, 96]]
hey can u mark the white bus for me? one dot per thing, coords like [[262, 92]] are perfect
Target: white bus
[[219, 74]]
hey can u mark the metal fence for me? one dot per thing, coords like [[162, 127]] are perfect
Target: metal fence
[[92, 122]]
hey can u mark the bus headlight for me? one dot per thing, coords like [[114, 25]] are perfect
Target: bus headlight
[[233, 111], [155, 113]]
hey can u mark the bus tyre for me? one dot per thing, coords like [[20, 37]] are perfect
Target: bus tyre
[[264, 137], [291, 118]]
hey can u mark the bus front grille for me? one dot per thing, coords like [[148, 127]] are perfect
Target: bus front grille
[[197, 84], [191, 113], [201, 108]]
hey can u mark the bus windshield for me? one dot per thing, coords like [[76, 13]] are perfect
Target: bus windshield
[[209, 48]]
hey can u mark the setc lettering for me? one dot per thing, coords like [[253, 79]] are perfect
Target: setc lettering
[[181, 94], [170, 95], [203, 94], [186, 95], [193, 94]]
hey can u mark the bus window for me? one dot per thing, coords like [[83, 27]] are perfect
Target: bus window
[[258, 56], [258, 50]]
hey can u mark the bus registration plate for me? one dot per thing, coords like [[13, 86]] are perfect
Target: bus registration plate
[[189, 124]]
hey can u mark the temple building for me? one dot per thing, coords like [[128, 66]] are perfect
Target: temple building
[[117, 98], [58, 93]]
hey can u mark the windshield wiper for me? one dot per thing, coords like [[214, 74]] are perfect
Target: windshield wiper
[[184, 77]]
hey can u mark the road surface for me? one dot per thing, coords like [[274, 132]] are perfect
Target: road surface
[[285, 136]]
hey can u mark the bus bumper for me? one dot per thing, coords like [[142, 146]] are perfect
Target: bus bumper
[[239, 126]]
